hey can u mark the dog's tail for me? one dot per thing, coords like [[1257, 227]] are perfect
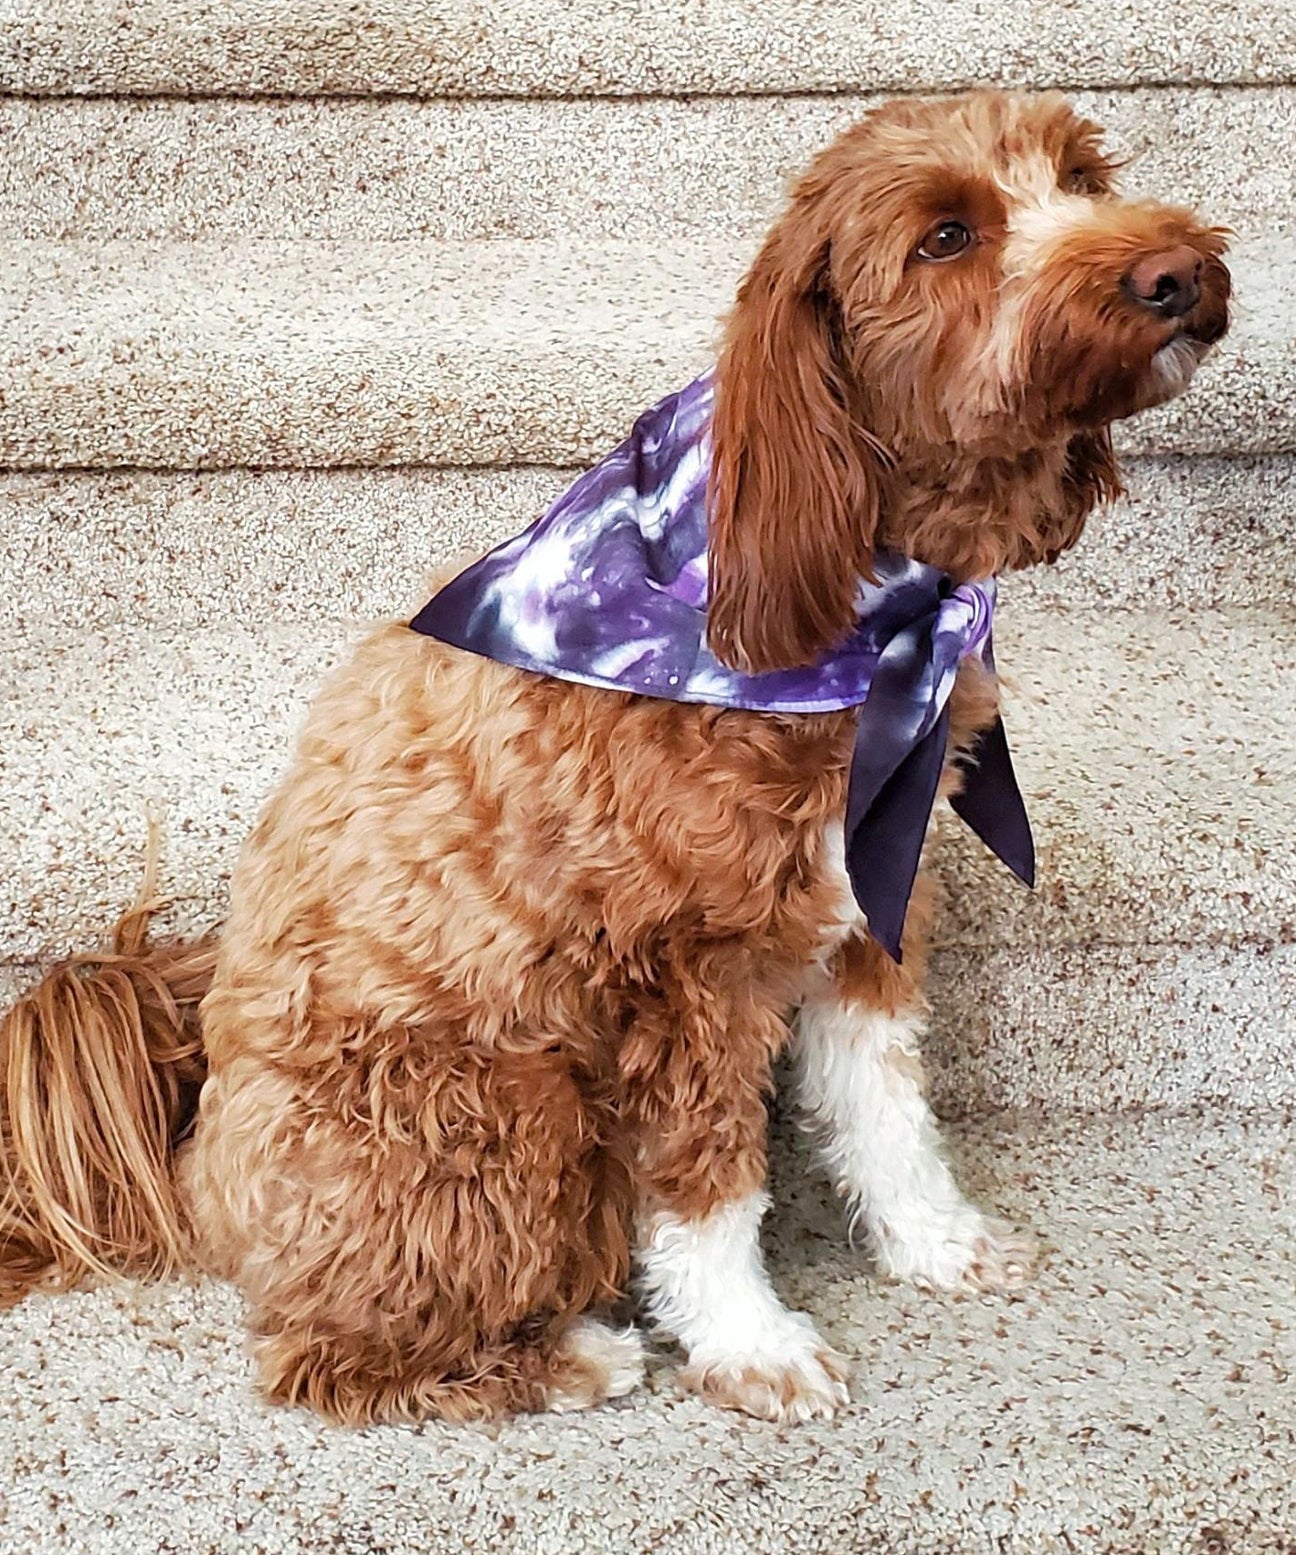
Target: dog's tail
[[100, 1070]]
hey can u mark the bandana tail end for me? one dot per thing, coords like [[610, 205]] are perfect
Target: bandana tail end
[[991, 803], [885, 830]]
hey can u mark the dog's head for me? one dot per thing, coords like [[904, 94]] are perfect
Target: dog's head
[[956, 303]]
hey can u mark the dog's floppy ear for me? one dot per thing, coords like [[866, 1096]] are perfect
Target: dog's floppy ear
[[796, 482], [1091, 477]]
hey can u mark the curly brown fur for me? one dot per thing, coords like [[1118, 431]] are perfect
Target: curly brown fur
[[508, 960]]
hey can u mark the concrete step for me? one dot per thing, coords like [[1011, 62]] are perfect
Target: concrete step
[[646, 169], [179, 356], [547, 48], [1157, 775], [1135, 1397], [246, 547]]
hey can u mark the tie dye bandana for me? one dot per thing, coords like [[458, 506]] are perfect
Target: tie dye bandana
[[609, 588]]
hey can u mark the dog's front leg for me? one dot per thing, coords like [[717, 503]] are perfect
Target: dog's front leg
[[860, 1082], [697, 1082]]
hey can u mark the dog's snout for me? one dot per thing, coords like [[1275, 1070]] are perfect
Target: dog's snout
[[1168, 283]]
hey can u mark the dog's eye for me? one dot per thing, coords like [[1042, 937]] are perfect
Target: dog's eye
[[946, 240]]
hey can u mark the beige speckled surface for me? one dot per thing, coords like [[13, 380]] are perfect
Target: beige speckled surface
[[1135, 1400], [1160, 785], [646, 169], [1077, 1028], [125, 547], [1099, 1028], [319, 354], [547, 47], [97, 728], [1200, 534], [1156, 756]]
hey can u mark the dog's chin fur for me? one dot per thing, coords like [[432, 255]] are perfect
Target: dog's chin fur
[[508, 960], [1173, 368]]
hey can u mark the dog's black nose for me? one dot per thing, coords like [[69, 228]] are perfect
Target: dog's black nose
[[1168, 283]]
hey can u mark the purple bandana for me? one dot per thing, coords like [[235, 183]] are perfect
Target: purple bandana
[[609, 589]]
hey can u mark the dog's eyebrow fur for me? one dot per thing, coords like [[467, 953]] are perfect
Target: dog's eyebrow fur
[[967, 196]]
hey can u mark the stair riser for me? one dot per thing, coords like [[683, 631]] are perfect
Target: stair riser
[[1102, 1028], [247, 548], [642, 169], [538, 48], [1160, 803], [1094, 1030]]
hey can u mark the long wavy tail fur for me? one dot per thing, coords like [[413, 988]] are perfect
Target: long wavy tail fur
[[100, 1070]]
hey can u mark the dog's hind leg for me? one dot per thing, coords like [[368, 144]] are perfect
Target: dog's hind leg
[[593, 1360], [422, 1229], [559, 1364]]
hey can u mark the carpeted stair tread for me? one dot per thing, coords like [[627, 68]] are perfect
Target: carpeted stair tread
[[1153, 751], [1069, 1028], [648, 169], [339, 354], [545, 48], [1134, 1398], [100, 549]]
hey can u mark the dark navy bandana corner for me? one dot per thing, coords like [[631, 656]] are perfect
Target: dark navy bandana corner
[[609, 588]]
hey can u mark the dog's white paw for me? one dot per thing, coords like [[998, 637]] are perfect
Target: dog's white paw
[[791, 1376], [594, 1362], [955, 1247]]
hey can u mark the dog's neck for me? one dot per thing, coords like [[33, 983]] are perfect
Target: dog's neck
[[977, 514]]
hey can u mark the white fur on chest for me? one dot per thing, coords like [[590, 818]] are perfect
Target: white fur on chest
[[845, 918]]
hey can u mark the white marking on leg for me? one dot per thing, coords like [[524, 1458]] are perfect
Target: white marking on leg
[[860, 1081], [846, 919], [704, 1281]]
